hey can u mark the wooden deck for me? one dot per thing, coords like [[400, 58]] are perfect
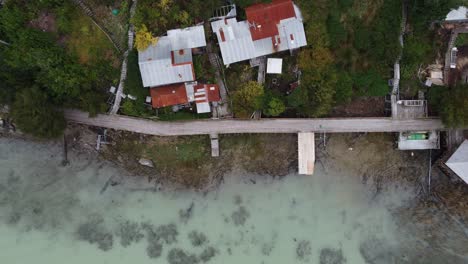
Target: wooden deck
[[306, 153]]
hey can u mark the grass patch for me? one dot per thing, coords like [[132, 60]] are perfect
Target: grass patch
[[252, 144], [166, 114], [174, 152], [88, 42], [462, 40], [134, 87]]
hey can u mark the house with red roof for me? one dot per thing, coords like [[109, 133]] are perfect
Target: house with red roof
[[183, 94], [269, 28]]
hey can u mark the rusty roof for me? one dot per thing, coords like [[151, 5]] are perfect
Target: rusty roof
[[169, 95], [264, 18], [209, 93]]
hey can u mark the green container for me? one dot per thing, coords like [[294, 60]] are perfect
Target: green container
[[417, 136], [115, 12]]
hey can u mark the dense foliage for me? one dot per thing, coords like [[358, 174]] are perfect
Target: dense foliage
[[421, 41], [144, 38], [248, 99], [41, 73], [160, 16], [134, 87], [454, 106], [352, 46]]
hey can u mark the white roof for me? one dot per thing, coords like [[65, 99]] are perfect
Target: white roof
[[238, 44], [274, 66], [187, 38], [457, 14], [458, 163], [163, 64], [203, 108]]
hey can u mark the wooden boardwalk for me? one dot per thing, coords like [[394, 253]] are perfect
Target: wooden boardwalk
[[306, 153], [233, 126]]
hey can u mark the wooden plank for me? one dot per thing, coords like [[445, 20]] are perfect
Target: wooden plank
[[306, 153]]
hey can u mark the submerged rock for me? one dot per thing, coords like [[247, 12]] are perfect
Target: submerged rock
[[179, 256], [186, 214], [197, 238], [208, 253], [303, 250], [240, 216], [154, 249], [146, 162], [376, 251], [94, 232], [129, 233], [331, 256], [167, 233]]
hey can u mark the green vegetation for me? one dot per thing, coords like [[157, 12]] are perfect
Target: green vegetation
[[57, 58], [166, 114], [452, 104], [34, 114], [144, 38], [162, 15], [134, 87], [185, 150], [247, 99], [273, 104], [352, 45], [422, 43]]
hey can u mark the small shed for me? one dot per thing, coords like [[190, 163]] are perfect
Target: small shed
[[458, 162], [274, 66]]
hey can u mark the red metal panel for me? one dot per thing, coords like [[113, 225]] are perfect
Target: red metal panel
[[174, 94], [211, 91], [264, 18]]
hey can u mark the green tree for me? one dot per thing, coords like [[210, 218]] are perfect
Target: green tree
[[247, 99], [298, 99], [344, 88], [370, 83], [318, 82], [336, 30], [454, 106], [34, 114], [273, 105], [144, 38]]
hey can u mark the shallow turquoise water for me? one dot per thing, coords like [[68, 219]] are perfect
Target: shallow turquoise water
[[55, 214]]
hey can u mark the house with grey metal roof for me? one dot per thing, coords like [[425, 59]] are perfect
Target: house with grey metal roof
[[170, 59], [269, 28]]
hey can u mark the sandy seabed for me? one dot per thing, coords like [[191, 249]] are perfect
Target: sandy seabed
[[73, 214]]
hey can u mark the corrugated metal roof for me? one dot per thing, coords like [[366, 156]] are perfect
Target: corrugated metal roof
[[458, 163], [163, 63], [168, 95], [187, 38], [211, 92], [237, 44], [162, 50], [294, 28], [162, 72], [182, 56], [264, 18]]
